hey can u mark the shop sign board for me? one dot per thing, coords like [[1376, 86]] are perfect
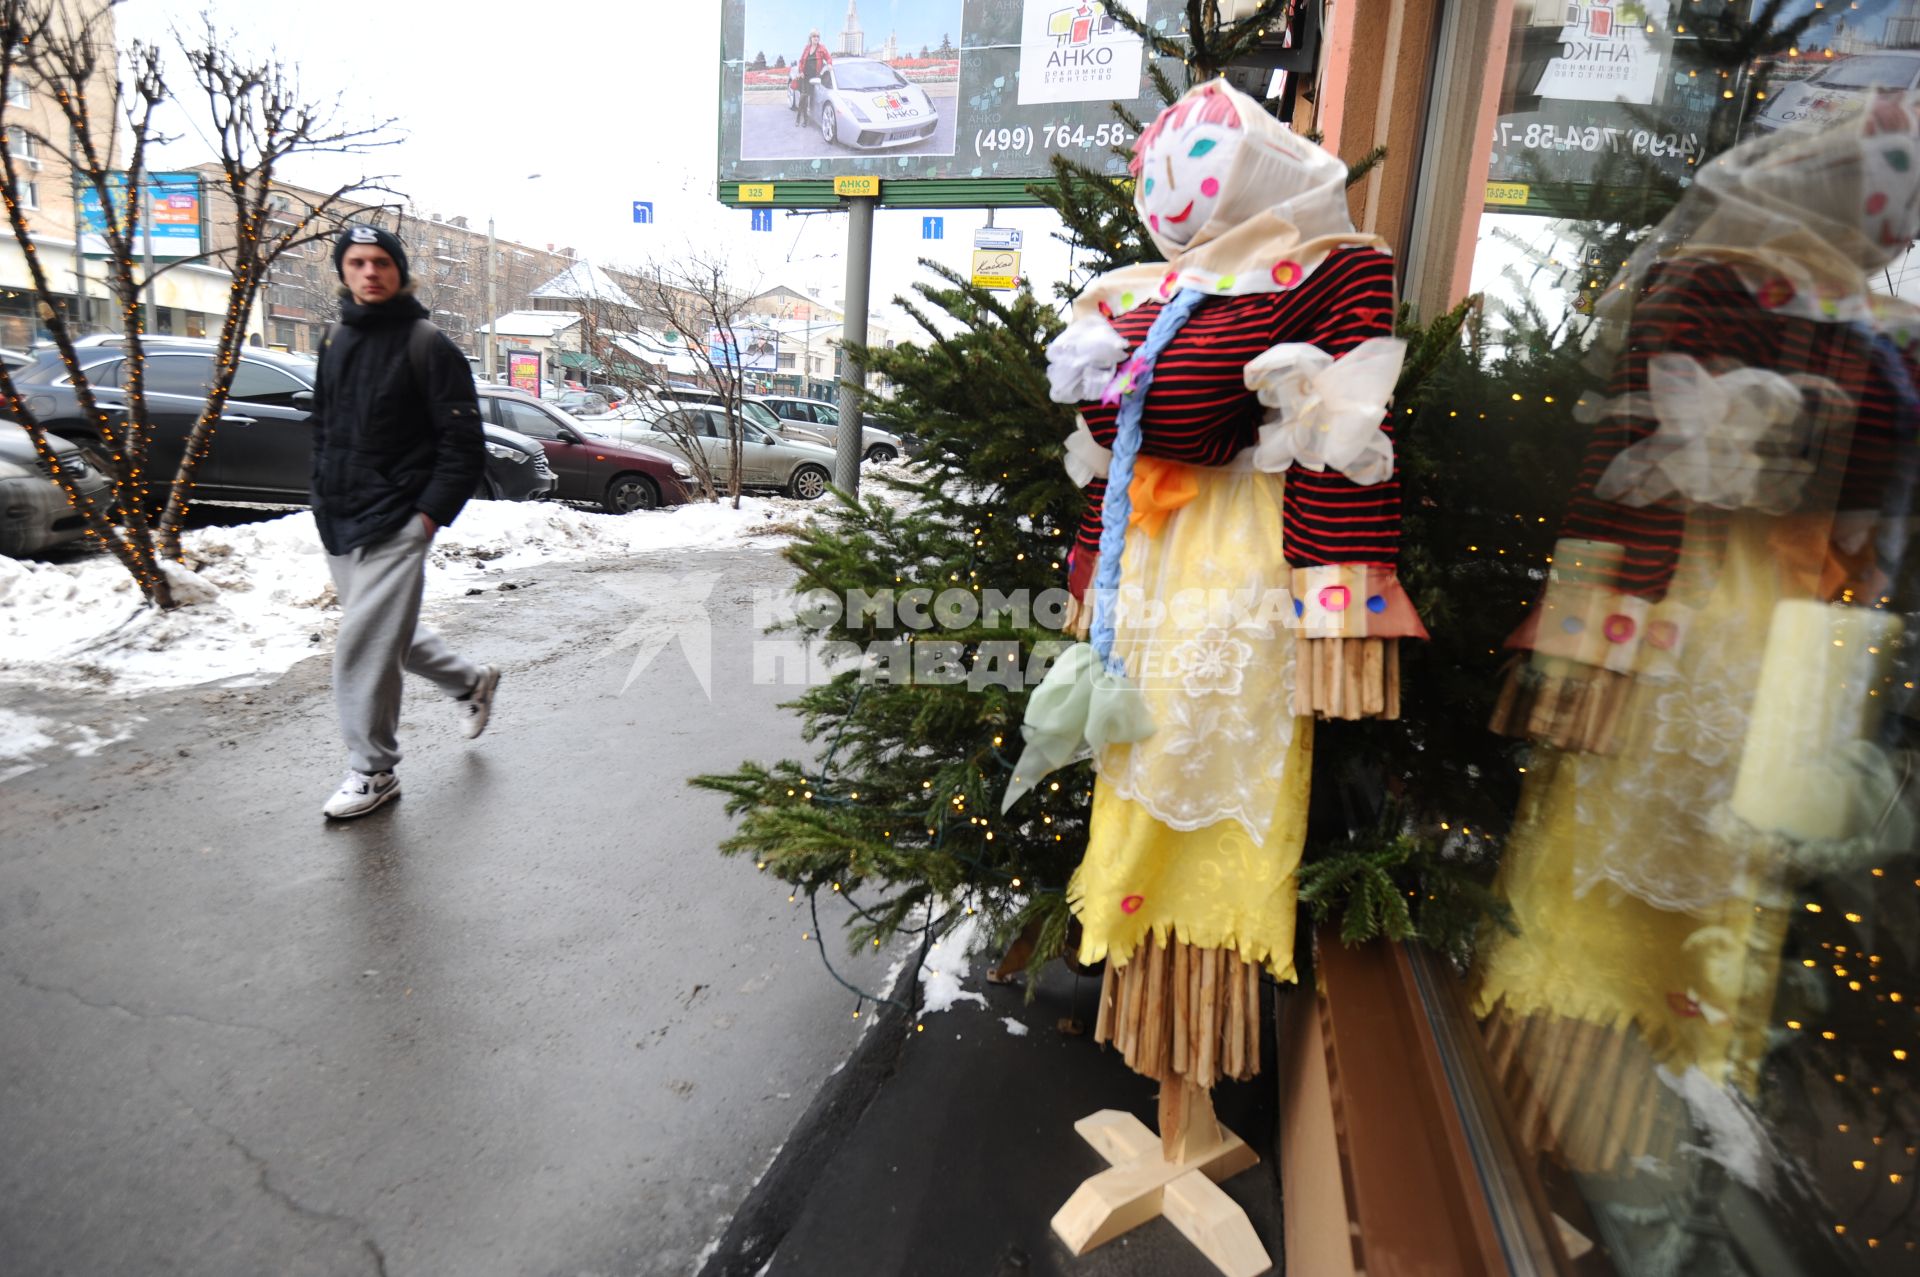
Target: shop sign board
[[996, 268], [922, 91], [174, 224]]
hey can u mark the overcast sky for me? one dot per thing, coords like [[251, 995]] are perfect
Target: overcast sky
[[610, 101]]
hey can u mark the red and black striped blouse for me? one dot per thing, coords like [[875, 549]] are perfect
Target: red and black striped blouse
[[1199, 410], [1701, 308]]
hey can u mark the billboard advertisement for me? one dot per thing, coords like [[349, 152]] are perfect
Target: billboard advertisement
[[174, 224], [930, 89], [750, 349], [1604, 92]]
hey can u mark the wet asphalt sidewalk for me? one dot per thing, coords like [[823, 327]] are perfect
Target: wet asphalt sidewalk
[[524, 1021], [946, 1152]]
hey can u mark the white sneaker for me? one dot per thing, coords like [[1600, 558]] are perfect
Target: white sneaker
[[476, 705], [360, 793]]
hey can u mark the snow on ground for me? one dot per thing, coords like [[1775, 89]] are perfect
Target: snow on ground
[[81, 624], [948, 961], [26, 740]]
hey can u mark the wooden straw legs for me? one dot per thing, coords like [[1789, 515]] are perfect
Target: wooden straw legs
[[1586, 1095], [1347, 678], [1178, 1013], [1579, 708]]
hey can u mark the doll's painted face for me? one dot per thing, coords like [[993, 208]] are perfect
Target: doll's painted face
[[1183, 170]]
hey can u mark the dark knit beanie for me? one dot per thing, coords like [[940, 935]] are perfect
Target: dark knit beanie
[[377, 236]]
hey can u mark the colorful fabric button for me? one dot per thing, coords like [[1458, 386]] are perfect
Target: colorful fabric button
[[1106, 310], [1572, 625], [1377, 604], [1166, 285], [1226, 282], [1287, 274], [1775, 293], [1619, 628], [1132, 904], [1662, 635], [1335, 598], [1126, 300]]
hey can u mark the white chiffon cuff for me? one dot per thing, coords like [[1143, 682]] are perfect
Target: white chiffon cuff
[[1086, 460], [1082, 359], [1327, 411]]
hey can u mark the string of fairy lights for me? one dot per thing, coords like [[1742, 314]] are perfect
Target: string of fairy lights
[[123, 444]]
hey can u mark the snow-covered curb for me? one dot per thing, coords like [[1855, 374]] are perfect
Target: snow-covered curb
[[80, 624], [258, 598]]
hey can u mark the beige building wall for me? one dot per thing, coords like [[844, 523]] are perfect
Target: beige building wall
[[189, 300]]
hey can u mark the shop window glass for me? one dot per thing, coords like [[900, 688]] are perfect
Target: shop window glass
[[1684, 455]]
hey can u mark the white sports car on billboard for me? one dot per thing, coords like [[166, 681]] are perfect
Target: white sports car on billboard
[[865, 105]]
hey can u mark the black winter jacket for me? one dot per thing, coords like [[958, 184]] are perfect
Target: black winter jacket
[[386, 449]]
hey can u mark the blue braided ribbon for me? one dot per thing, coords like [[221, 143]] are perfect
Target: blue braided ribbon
[[1118, 506]]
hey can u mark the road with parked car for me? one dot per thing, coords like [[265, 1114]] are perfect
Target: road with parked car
[[627, 453]]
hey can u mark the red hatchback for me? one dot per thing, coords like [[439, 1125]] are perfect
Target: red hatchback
[[617, 477]]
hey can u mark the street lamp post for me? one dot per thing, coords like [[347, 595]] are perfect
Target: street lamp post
[[493, 303]]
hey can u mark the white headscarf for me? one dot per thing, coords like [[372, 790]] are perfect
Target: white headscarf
[[1283, 209], [1803, 216]]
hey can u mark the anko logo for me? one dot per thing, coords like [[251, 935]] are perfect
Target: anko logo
[[1078, 52], [1076, 25]]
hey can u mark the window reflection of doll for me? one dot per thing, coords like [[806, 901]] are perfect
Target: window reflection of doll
[[1702, 673]]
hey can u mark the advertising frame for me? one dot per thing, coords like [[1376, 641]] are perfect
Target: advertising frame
[[991, 125], [176, 230], [524, 363]]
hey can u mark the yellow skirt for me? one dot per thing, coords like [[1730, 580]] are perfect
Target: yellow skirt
[[1197, 831], [1636, 912]]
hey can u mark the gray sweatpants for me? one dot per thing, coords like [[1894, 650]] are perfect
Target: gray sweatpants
[[380, 635]]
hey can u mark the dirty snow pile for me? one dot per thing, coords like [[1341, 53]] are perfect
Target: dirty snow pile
[[262, 599]]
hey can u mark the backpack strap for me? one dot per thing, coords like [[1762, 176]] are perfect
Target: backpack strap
[[419, 350]]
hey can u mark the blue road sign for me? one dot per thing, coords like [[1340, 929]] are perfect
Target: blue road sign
[[933, 228], [762, 219], [643, 211]]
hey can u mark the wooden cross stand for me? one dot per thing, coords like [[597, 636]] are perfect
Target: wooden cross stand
[[1174, 1174]]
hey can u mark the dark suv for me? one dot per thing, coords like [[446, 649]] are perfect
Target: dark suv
[[263, 447]]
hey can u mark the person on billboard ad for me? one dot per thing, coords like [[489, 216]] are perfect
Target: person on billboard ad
[[879, 78], [807, 68]]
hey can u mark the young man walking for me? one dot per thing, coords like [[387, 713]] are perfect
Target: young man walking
[[397, 450]]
